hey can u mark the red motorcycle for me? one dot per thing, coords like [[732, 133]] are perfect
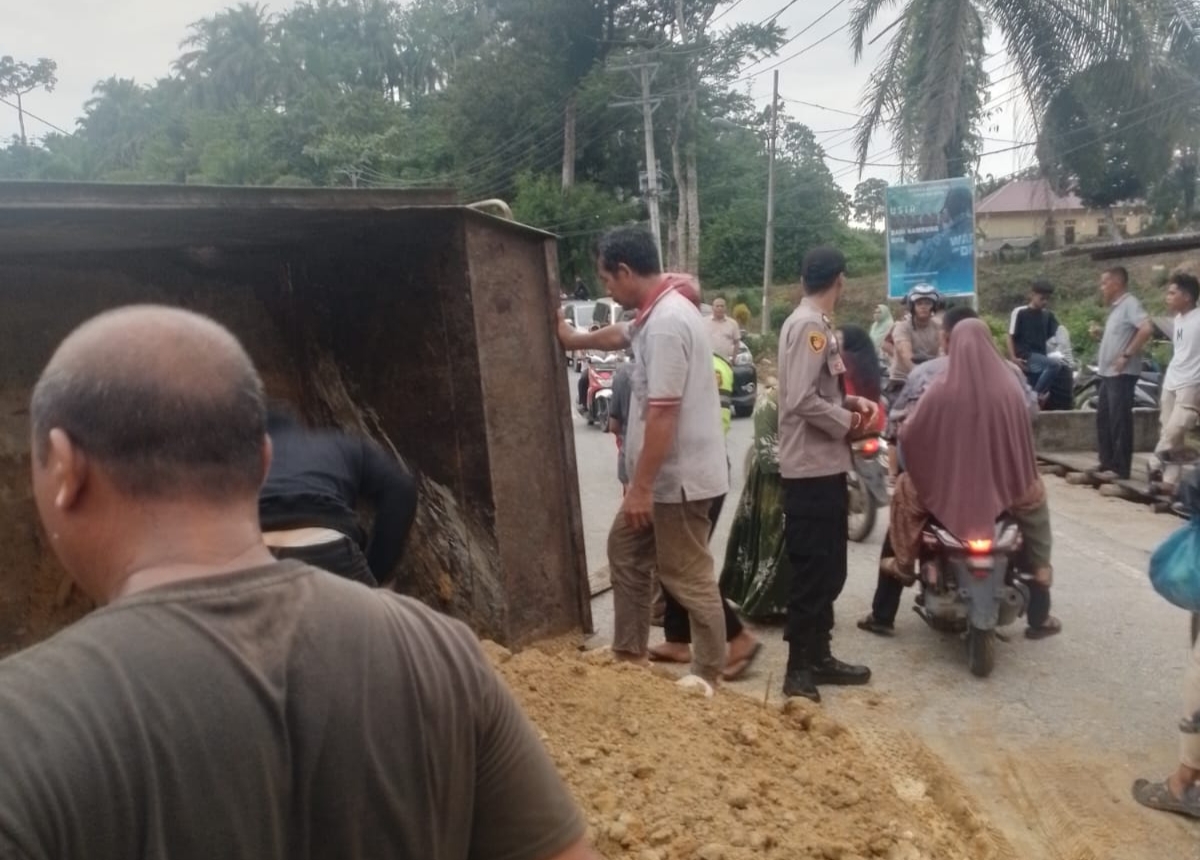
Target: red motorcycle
[[599, 370]]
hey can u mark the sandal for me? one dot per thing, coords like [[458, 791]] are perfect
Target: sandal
[[871, 625], [890, 567], [741, 667], [1050, 627], [1157, 795]]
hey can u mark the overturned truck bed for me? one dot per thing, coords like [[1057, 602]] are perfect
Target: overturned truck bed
[[396, 314]]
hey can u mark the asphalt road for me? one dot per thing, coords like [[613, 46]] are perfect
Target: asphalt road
[[1049, 744]]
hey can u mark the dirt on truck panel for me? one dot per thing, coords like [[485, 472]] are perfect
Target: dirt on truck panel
[[389, 313]]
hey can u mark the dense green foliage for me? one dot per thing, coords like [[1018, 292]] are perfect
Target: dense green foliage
[[482, 96]]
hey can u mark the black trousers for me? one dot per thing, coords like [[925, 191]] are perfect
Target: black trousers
[[342, 557], [1114, 424], [815, 534], [888, 590], [676, 626]]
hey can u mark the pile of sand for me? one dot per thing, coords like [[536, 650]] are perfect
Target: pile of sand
[[663, 774]]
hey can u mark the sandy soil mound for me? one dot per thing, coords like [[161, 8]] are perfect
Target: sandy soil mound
[[664, 774]]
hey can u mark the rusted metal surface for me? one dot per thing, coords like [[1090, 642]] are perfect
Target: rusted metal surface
[[428, 327], [523, 380]]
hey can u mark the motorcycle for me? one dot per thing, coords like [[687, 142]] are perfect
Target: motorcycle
[[867, 485], [599, 370], [1146, 394], [970, 587]]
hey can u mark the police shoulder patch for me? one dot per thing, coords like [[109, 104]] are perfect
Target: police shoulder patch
[[817, 341]]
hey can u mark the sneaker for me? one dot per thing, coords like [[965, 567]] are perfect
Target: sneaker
[[1107, 476]]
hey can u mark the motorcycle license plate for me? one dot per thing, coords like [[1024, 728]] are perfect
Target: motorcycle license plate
[[981, 565]]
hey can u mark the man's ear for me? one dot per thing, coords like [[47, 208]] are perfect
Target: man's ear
[[268, 452], [68, 466]]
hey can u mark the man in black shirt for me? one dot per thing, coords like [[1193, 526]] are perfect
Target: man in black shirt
[[308, 504], [1029, 328]]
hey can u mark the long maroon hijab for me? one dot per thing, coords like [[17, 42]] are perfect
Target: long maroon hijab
[[968, 445]]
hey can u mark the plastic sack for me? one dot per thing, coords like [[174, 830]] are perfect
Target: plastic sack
[[1175, 567]]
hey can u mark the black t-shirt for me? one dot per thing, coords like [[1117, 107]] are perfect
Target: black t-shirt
[[1030, 329], [317, 478]]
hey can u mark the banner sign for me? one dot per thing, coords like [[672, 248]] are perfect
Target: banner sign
[[931, 237]]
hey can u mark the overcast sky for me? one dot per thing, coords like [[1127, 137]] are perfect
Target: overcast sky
[[93, 39]]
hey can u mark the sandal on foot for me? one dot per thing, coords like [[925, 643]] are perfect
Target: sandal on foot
[[1157, 795], [736, 670], [1051, 627], [871, 625]]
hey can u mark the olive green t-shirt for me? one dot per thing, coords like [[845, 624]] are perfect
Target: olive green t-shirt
[[280, 712]]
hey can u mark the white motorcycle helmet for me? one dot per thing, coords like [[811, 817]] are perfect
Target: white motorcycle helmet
[[923, 291]]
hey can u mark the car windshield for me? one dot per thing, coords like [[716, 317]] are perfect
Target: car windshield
[[584, 313]]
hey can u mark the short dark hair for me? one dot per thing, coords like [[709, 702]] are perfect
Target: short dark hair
[[821, 269], [154, 438], [955, 315], [632, 246], [1120, 273], [1042, 288], [1188, 284]]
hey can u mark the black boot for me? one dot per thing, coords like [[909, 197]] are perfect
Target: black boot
[[827, 669], [799, 678]]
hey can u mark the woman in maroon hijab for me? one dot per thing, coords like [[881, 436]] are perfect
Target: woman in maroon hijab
[[969, 457]]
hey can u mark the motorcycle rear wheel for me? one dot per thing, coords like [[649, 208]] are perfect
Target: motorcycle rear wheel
[[602, 414], [981, 651], [861, 513]]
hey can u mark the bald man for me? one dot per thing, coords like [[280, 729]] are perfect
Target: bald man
[[221, 703]]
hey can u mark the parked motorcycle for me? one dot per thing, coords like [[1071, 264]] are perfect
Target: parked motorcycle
[[970, 587], [1146, 394], [867, 486], [599, 370]]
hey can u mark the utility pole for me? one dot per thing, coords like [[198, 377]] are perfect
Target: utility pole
[[769, 245], [651, 163], [645, 71]]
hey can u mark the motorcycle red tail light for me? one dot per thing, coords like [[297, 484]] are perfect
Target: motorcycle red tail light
[[982, 546], [870, 447]]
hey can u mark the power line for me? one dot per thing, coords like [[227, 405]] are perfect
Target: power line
[[34, 116], [729, 9]]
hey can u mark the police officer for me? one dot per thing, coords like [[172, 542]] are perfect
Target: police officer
[[816, 422]]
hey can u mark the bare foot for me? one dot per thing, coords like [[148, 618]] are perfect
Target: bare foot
[[671, 652], [635, 659]]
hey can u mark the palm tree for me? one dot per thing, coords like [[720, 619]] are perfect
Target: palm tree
[[116, 123], [926, 87], [233, 58]]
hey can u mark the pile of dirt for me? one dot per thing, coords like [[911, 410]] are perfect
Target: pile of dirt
[[664, 774]]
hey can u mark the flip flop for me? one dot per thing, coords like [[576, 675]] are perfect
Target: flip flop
[[1051, 627], [1156, 795], [738, 669]]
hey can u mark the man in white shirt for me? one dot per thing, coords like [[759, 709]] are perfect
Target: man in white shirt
[[723, 332], [674, 451], [1181, 385]]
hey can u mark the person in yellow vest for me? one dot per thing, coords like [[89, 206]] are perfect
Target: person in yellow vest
[[743, 646], [724, 371]]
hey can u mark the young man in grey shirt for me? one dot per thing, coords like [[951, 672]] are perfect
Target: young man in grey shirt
[[1120, 364], [674, 451]]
